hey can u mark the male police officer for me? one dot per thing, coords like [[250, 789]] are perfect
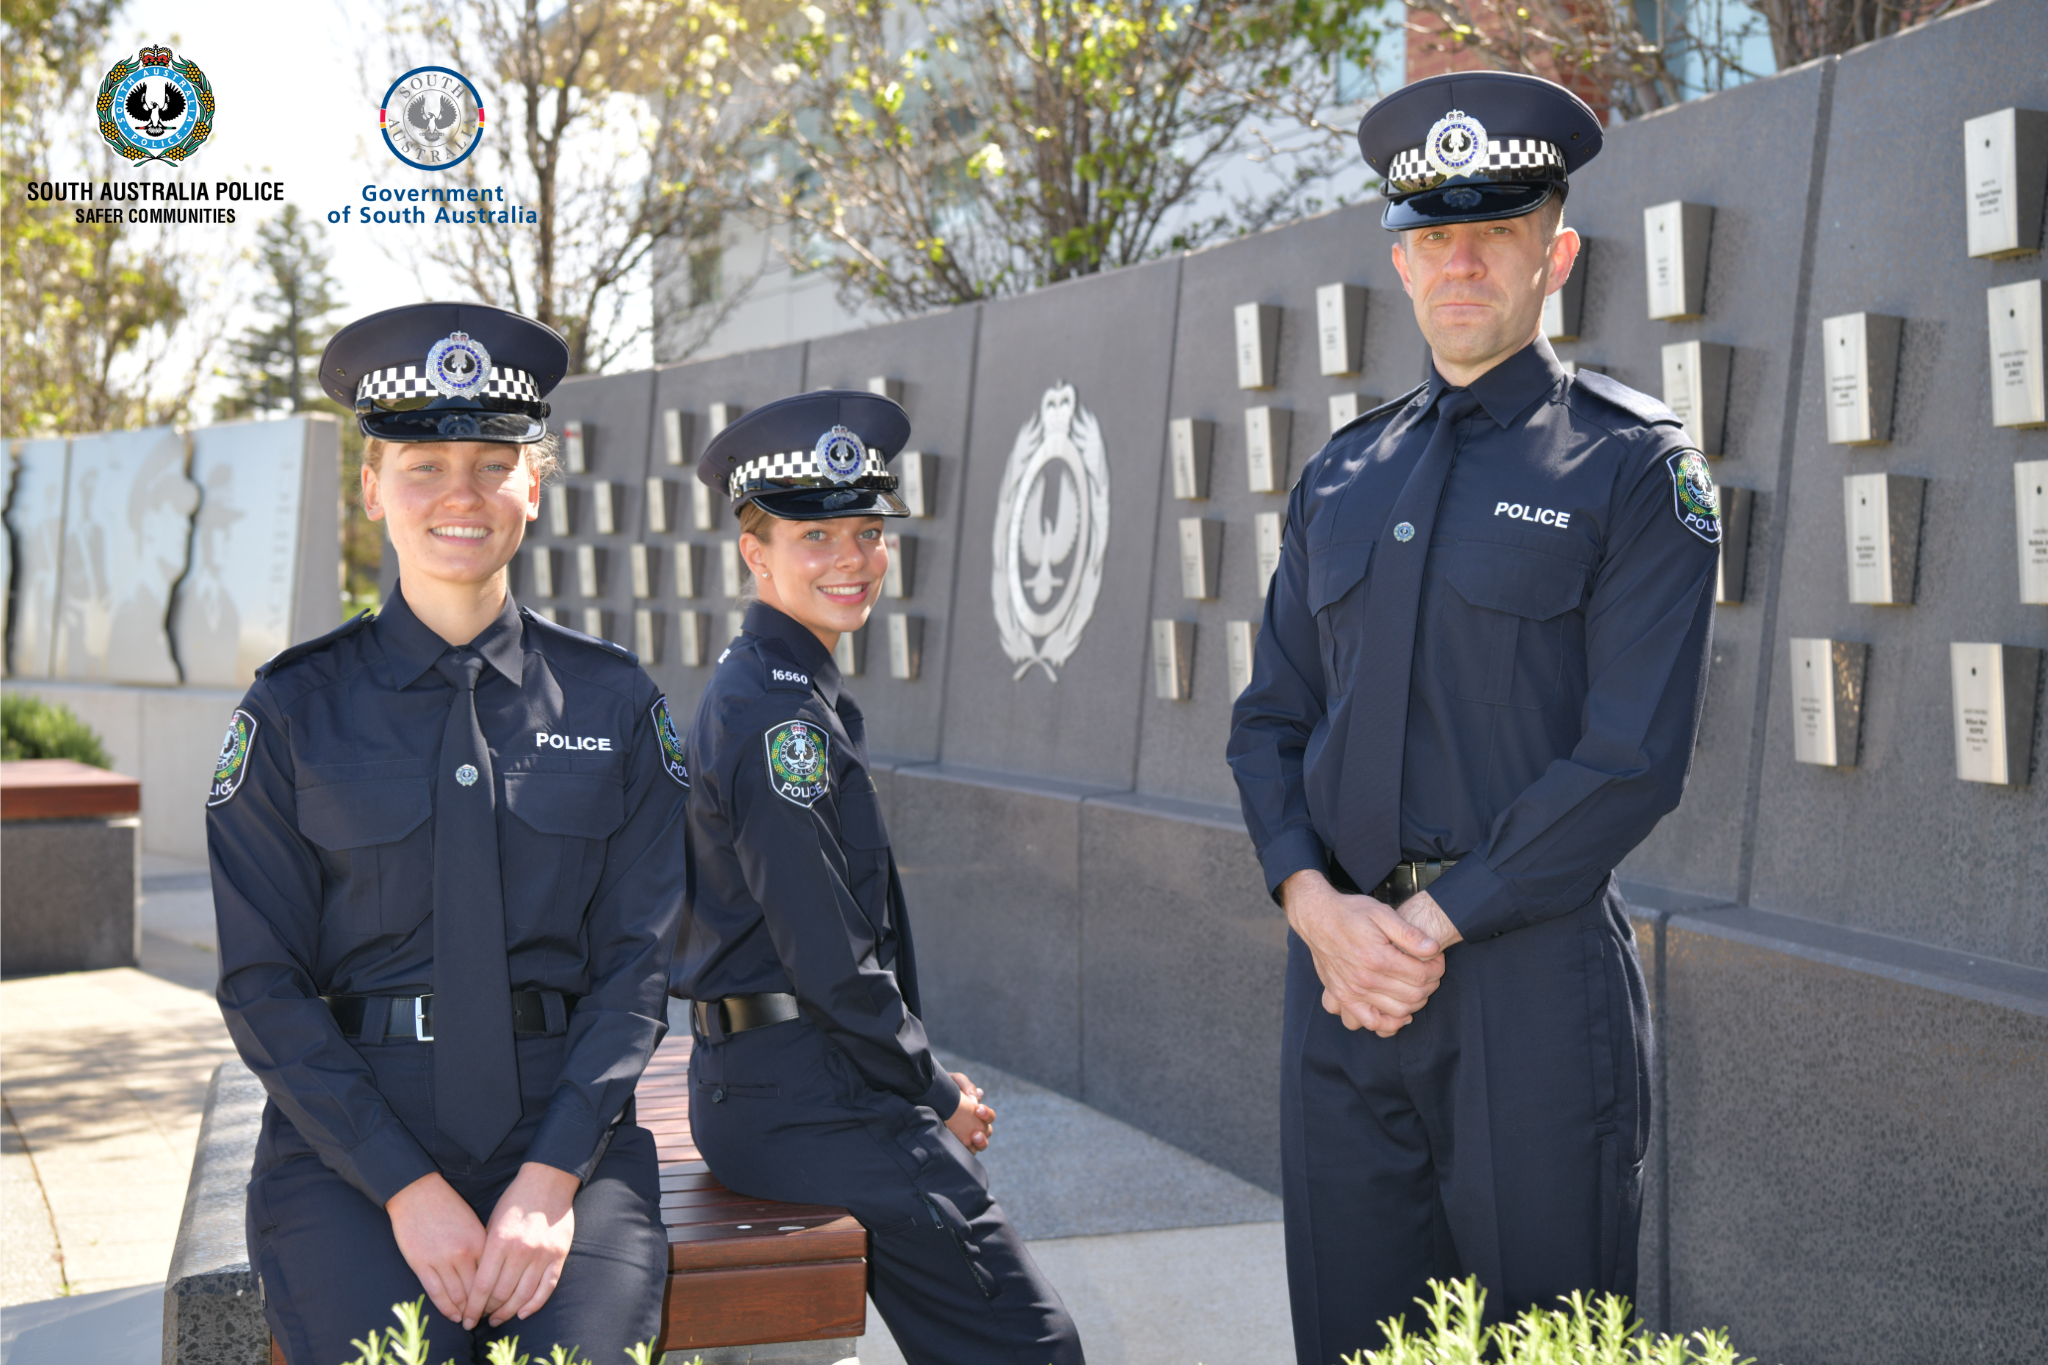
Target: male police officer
[[1475, 690]]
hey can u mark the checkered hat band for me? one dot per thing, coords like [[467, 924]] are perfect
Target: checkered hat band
[[1506, 158], [410, 381], [799, 468]]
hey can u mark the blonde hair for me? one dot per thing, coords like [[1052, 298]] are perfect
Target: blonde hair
[[758, 522]]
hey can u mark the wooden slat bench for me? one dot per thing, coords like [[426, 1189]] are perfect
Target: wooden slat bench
[[741, 1272]]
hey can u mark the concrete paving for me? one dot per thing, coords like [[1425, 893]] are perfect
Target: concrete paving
[[1162, 1258]]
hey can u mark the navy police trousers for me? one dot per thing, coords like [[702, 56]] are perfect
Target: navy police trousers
[[780, 1113], [330, 1269], [1501, 1134]]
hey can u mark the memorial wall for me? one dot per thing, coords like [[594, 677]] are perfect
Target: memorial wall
[[150, 572], [1834, 277]]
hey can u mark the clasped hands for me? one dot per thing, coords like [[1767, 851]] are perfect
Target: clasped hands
[[472, 1272], [1378, 965]]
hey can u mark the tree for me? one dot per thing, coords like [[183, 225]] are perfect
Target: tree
[[279, 361], [950, 150], [91, 317], [1804, 29], [615, 121]]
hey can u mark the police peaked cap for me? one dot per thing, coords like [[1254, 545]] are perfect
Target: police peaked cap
[[1472, 145], [446, 372], [812, 456]]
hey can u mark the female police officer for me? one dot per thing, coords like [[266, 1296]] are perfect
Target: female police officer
[[444, 935], [811, 1080]]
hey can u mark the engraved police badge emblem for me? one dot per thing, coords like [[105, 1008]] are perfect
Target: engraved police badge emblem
[[841, 453], [799, 762], [1051, 534], [233, 763], [458, 366], [432, 118], [1455, 143], [671, 746], [154, 109], [1697, 501]]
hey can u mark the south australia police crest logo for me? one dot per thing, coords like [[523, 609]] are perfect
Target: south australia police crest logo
[[233, 764], [1697, 501], [799, 762], [432, 118], [671, 746], [154, 108]]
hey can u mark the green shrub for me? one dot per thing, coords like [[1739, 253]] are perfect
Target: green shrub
[[1591, 1331], [33, 728], [406, 1344]]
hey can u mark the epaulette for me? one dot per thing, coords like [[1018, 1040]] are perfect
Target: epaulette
[[1645, 409], [305, 647], [784, 673], [548, 627], [1381, 411]]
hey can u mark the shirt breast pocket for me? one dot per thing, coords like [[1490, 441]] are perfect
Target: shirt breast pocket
[[1336, 597], [377, 850], [572, 815], [1501, 631], [865, 843]]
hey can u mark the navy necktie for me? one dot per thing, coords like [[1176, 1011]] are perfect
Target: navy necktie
[[476, 1076], [1369, 821]]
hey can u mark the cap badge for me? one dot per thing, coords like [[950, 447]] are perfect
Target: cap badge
[[841, 453], [1455, 144], [458, 366]]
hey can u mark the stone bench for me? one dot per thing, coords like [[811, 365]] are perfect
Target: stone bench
[[70, 867], [750, 1281]]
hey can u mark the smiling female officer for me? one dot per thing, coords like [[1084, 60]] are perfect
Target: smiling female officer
[[444, 935], [812, 1081]]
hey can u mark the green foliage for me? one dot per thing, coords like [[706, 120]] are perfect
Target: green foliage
[[33, 728], [276, 360], [406, 1344], [1595, 1330], [949, 150], [89, 312]]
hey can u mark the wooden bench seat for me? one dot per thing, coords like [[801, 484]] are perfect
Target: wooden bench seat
[[741, 1272]]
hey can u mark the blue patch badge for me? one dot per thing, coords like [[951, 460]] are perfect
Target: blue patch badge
[[1693, 495], [799, 762], [233, 764], [671, 747]]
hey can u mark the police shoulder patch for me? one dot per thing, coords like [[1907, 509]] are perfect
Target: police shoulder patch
[[799, 762], [671, 746], [233, 763], [1694, 498]]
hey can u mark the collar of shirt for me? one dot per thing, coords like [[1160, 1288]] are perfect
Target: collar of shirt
[[411, 648], [808, 651], [1510, 388]]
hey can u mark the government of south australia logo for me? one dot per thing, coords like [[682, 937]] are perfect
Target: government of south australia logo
[[152, 108], [799, 762], [432, 118], [1052, 531]]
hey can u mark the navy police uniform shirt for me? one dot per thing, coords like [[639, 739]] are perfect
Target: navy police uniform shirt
[[793, 889], [1561, 641], [321, 834]]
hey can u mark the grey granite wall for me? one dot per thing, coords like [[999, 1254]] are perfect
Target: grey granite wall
[[1849, 967]]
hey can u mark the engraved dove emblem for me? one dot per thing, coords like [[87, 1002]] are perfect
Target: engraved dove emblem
[[1044, 542]]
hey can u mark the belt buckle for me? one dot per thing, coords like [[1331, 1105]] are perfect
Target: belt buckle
[[419, 1019]]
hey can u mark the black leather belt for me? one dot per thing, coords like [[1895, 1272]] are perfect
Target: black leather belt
[[412, 1016], [1408, 878], [738, 1013]]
